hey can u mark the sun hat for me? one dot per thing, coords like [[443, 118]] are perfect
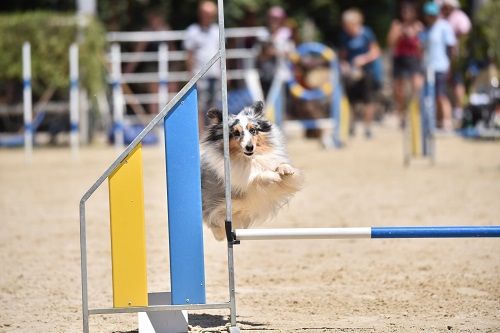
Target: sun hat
[[431, 9], [451, 3]]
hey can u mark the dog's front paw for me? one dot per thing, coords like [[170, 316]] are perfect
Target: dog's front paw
[[268, 177], [285, 170]]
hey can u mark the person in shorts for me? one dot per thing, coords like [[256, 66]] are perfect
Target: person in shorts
[[461, 25], [359, 52], [202, 43], [439, 40], [404, 41]]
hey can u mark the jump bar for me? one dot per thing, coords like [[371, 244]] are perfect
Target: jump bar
[[368, 232]]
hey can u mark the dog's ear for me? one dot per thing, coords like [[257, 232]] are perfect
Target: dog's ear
[[215, 115], [258, 109]]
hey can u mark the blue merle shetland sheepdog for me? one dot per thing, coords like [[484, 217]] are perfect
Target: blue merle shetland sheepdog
[[262, 178]]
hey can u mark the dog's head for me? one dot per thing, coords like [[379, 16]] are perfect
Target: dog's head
[[248, 130]]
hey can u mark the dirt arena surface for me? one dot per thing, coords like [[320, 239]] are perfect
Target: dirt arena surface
[[283, 286]]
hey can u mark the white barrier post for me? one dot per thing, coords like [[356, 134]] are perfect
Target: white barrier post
[[162, 75], [74, 115], [27, 101], [116, 74]]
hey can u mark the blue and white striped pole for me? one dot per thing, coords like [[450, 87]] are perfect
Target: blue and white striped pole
[[74, 115], [118, 103], [27, 102], [368, 232]]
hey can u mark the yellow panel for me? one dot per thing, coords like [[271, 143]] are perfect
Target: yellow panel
[[415, 128], [345, 113], [128, 236]]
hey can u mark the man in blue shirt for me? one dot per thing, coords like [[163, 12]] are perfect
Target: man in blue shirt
[[359, 53], [439, 41]]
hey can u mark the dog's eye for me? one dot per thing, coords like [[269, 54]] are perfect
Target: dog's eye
[[252, 131], [236, 133]]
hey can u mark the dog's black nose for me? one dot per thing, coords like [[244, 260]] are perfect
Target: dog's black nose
[[249, 148]]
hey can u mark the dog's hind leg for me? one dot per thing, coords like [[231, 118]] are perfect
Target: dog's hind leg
[[215, 221]]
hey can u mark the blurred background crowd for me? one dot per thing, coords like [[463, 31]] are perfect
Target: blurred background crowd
[[386, 50]]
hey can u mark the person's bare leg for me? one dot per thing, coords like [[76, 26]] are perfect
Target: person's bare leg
[[369, 113], [459, 92], [417, 81], [352, 119], [445, 106], [399, 98]]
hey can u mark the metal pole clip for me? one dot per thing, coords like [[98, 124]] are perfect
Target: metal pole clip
[[230, 235]]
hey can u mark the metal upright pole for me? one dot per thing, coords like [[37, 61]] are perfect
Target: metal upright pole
[[83, 262], [27, 101], [227, 165]]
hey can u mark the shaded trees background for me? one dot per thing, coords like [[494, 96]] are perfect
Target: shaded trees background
[[325, 13], [130, 15]]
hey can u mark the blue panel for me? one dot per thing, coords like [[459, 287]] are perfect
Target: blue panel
[[435, 232], [187, 271]]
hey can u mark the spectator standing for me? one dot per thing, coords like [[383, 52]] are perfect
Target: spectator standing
[[439, 41], [274, 46], [359, 52], [202, 43], [461, 25], [403, 39], [280, 34]]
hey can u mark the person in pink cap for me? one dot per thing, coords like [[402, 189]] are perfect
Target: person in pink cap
[[459, 21], [280, 33], [461, 25], [274, 46]]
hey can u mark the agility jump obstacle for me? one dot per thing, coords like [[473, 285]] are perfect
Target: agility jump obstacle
[[419, 133], [160, 312], [29, 128], [339, 113]]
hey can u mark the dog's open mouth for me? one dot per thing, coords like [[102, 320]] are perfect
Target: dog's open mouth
[[248, 154]]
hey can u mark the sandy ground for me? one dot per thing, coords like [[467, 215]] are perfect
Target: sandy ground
[[283, 286]]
